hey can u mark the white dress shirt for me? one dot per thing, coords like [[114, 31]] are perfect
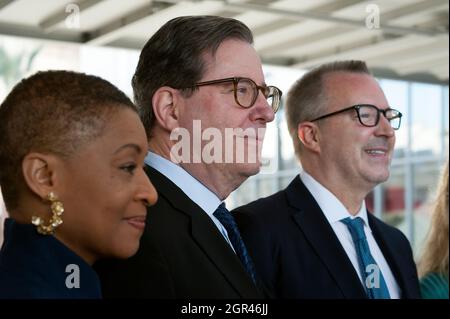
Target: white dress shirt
[[196, 191], [334, 212]]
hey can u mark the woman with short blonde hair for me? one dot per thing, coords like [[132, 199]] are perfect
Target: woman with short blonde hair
[[433, 267]]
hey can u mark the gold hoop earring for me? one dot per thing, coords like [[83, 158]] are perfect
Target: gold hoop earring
[[56, 220]]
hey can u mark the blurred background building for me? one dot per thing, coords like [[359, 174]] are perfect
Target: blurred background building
[[405, 43]]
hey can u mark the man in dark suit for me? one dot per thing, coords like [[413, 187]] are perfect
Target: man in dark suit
[[196, 77], [315, 239]]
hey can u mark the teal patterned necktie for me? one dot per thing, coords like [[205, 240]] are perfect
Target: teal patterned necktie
[[371, 274]]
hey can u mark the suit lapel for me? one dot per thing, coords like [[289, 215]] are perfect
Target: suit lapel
[[210, 240], [206, 235], [394, 260], [312, 222]]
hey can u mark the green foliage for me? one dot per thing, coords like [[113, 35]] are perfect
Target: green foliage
[[13, 67]]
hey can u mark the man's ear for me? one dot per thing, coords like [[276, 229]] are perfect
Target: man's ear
[[308, 133], [165, 103], [39, 171]]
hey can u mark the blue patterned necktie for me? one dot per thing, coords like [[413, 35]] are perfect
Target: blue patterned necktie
[[371, 274], [227, 220]]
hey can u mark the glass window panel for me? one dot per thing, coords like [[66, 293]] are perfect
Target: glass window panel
[[393, 194], [243, 195], [426, 178], [426, 101], [266, 186], [397, 95], [285, 181], [270, 147]]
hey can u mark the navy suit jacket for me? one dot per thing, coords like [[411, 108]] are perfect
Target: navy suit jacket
[[34, 266], [298, 255]]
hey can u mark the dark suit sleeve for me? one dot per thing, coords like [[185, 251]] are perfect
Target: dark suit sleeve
[[145, 275]]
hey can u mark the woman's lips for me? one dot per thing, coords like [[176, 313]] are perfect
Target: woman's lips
[[137, 222]]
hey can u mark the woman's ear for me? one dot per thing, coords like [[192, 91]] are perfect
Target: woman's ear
[[165, 103], [39, 171], [308, 133]]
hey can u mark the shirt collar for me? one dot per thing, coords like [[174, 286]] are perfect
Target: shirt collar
[[196, 191], [330, 205]]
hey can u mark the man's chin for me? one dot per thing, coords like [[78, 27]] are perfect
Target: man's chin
[[249, 170], [381, 178]]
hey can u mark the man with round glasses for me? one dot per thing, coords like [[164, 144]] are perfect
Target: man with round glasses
[[316, 239], [197, 76]]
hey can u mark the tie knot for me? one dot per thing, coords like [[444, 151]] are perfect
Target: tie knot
[[355, 226], [221, 210], [224, 216]]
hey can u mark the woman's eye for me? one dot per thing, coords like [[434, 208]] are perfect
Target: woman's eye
[[129, 168]]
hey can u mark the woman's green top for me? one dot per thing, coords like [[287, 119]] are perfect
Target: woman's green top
[[434, 286]]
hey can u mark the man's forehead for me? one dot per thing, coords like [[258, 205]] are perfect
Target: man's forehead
[[352, 88], [353, 85], [227, 63]]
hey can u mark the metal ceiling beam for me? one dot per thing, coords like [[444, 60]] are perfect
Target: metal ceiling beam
[[281, 22], [340, 43], [407, 53], [441, 73], [278, 35], [424, 77], [421, 7], [32, 32], [302, 40], [365, 50], [105, 34], [5, 3], [161, 9], [242, 7], [427, 63], [329, 33], [51, 22]]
